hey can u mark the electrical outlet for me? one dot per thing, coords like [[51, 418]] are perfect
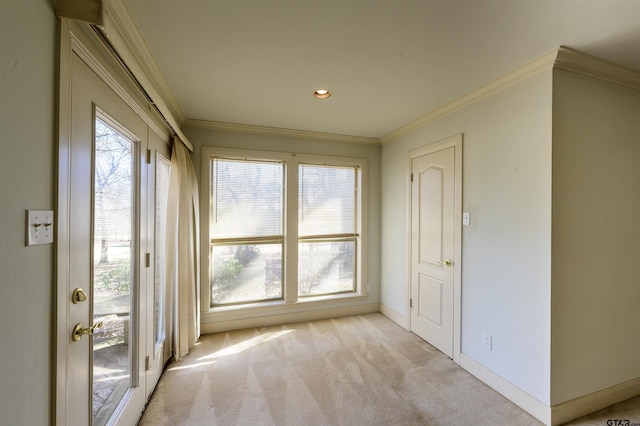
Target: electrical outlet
[[466, 219], [368, 287], [486, 341]]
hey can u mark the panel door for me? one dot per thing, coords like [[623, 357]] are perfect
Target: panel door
[[432, 248]]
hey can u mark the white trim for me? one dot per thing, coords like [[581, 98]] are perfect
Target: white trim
[[510, 391], [141, 53], [218, 323], [278, 307], [581, 63], [561, 58], [62, 239], [541, 63], [275, 131], [394, 316], [557, 414], [96, 66], [455, 142], [118, 28], [579, 407]]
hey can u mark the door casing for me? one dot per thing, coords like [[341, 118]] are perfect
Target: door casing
[[455, 142]]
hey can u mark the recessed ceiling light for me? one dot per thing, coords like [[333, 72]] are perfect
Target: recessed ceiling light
[[321, 94]]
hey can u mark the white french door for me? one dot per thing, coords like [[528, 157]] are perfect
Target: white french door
[[106, 274], [157, 351], [112, 195]]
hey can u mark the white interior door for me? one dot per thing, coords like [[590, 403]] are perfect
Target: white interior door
[[106, 384], [433, 253]]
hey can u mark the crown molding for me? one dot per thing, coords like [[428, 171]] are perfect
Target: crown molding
[[540, 63], [118, 32], [85, 54], [275, 131], [128, 31], [581, 63], [562, 58]]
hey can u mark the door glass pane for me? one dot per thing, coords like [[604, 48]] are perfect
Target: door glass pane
[[113, 268], [162, 193]]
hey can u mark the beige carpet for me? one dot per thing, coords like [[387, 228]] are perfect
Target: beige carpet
[[361, 370]]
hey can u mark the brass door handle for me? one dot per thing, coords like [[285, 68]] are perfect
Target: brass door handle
[[79, 331], [447, 262]]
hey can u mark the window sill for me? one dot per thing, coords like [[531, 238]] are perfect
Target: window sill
[[279, 304], [225, 318]]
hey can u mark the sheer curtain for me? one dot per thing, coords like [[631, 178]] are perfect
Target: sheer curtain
[[183, 252]]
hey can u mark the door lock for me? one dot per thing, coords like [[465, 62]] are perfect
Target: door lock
[[78, 331], [447, 262], [78, 296]]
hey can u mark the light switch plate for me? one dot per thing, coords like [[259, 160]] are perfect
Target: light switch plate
[[39, 227]]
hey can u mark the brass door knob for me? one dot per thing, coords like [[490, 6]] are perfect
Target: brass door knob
[[447, 262], [79, 331]]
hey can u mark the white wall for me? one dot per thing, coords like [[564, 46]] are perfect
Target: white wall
[[201, 137], [27, 102], [506, 251], [596, 236]]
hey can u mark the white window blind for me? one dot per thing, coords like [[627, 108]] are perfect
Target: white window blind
[[326, 200], [246, 199]]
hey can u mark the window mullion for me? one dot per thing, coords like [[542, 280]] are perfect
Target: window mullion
[[291, 232]]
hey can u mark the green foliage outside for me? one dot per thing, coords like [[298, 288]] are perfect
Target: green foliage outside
[[227, 272], [115, 277]]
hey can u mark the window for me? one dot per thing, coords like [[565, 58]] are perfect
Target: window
[[283, 227], [327, 229], [246, 228]]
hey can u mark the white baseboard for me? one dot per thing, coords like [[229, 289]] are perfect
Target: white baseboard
[[268, 319], [394, 316], [579, 407], [557, 414], [510, 391]]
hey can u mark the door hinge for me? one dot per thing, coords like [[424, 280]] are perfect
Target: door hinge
[[148, 156], [411, 177], [147, 363], [411, 303], [147, 260]]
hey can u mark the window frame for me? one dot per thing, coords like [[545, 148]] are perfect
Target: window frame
[[343, 237], [290, 258]]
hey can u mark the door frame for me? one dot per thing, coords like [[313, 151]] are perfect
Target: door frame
[[79, 39], [455, 142]]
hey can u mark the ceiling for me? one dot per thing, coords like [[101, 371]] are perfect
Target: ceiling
[[387, 62]]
